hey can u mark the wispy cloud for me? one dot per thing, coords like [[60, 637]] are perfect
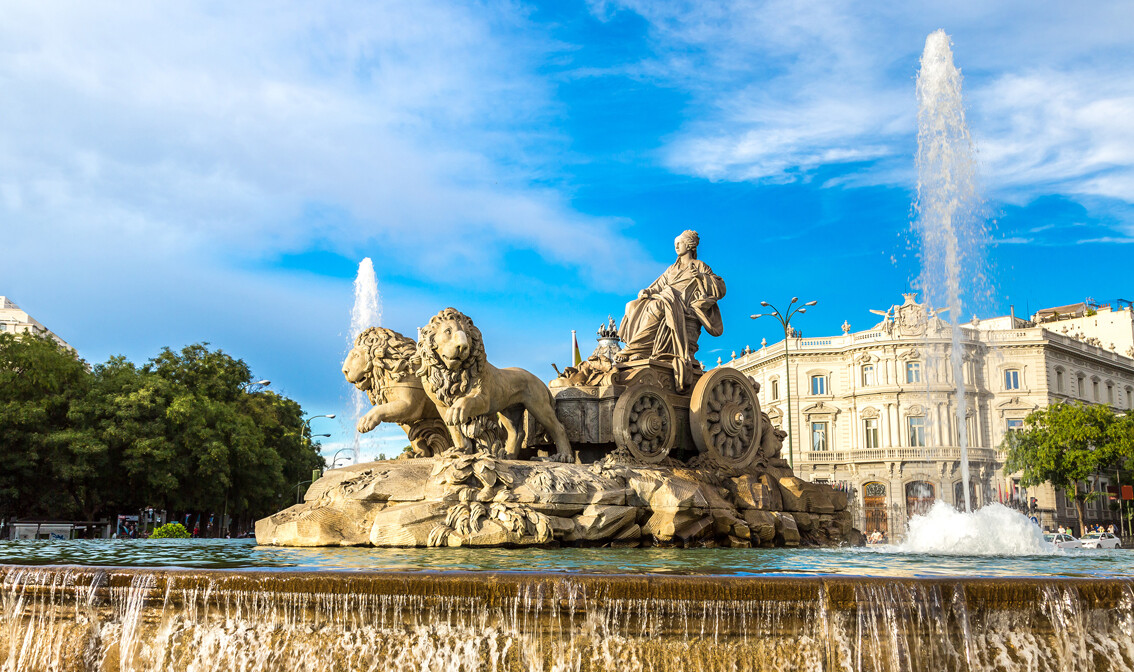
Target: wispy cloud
[[783, 88], [206, 129]]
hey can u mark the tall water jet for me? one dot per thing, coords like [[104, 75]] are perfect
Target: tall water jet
[[948, 220], [367, 312]]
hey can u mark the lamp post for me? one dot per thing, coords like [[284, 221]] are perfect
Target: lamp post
[[785, 321], [307, 422], [336, 456], [259, 386]]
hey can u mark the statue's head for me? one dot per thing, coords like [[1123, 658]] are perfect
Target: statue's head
[[687, 240]]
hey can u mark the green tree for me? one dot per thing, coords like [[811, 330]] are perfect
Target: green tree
[[1064, 444], [182, 433], [44, 463], [125, 409]]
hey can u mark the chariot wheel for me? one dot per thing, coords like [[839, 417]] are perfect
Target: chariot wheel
[[645, 423], [725, 417]]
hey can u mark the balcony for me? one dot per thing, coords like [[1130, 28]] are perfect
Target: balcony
[[934, 454]]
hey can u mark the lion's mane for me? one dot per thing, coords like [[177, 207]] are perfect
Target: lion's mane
[[450, 385], [388, 358]]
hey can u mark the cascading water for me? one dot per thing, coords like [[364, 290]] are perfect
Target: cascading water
[[948, 213], [110, 620], [367, 312]]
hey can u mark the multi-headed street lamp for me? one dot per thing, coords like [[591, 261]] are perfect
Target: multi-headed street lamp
[[785, 321], [335, 459], [307, 422]]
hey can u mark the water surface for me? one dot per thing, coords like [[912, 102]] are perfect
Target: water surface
[[884, 561]]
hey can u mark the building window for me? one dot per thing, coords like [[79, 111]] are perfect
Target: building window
[[917, 431], [1081, 386], [919, 498], [819, 436], [1014, 424], [1012, 379], [1059, 381], [868, 375], [870, 429], [1109, 393], [775, 389], [818, 384], [1130, 398], [959, 495], [1095, 389], [913, 372]]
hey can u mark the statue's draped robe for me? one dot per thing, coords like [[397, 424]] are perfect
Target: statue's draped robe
[[667, 322]]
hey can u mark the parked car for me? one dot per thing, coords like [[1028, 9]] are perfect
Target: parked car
[[1062, 540], [1101, 540]]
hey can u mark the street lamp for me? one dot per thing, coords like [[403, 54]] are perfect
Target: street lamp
[[259, 385], [336, 457], [307, 422], [785, 321]]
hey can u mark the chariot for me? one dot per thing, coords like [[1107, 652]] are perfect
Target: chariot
[[637, 407]]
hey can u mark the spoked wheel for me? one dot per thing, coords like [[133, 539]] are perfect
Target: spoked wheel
[[725, 417], [645, 423]]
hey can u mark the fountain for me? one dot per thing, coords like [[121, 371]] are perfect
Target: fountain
[[366, 312], [633, 514], [948, 220]]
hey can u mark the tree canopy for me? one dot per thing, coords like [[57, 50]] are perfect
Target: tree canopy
[[181, 433], [1065, 444]]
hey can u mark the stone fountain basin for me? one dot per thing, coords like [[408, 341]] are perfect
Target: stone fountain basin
[[142, 619]]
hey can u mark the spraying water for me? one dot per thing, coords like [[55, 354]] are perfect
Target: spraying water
[[367, 312], [993, 530], [948, 219]]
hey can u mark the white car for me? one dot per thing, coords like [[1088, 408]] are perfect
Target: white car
[[1101, 540], [1062, 540]]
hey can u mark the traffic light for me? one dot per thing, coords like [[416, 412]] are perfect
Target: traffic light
[[1034, 505]]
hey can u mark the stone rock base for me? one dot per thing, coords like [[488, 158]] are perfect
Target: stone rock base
[[479, 500]]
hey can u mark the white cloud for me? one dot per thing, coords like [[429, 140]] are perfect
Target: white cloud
[[1054, 131], [215, 128], [783, 88]]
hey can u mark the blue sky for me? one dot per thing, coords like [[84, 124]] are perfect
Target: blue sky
[[215, 171]]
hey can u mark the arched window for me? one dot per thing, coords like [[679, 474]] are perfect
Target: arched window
[[920, 496], [959, 489], [775, 389], [874, 509]]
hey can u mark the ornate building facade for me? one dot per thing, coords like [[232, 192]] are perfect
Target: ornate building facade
[[876, 410]]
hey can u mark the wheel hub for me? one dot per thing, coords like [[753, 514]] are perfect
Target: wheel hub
[[732, 419]]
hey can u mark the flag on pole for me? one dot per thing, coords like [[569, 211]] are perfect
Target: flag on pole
[[576, 356]]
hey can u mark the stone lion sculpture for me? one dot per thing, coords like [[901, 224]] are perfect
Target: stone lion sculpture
[[380, 365], [455, 373]]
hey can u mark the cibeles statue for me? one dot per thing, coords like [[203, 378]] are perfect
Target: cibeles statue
[[666, 319]]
